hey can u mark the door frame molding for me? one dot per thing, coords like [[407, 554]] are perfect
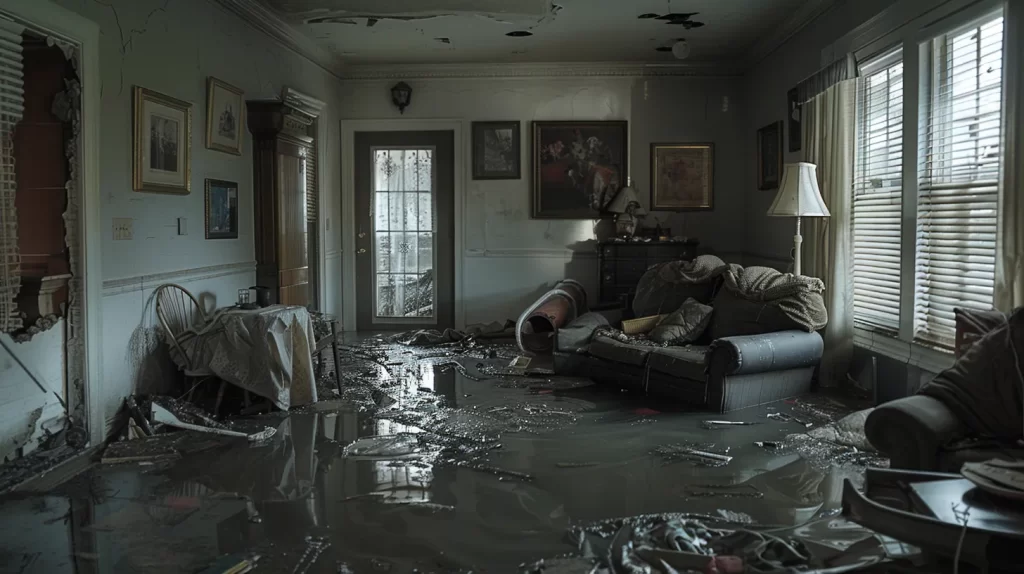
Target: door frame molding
[[348, 203], [85, 35]]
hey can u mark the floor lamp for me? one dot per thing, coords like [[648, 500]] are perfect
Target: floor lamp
[[798, 197]]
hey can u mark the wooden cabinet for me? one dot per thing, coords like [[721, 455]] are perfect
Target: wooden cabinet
[[280, 149], [622, 264]]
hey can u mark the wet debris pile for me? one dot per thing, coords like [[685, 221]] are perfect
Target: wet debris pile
[[671, 543], [841, 440]]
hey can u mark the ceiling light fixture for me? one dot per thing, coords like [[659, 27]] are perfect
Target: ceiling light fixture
[[681, 50]]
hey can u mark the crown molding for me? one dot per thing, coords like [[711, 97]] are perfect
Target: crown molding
[[537, 70], [270, 24], [801, 17]]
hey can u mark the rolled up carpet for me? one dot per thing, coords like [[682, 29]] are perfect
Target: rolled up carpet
[[536, 327]]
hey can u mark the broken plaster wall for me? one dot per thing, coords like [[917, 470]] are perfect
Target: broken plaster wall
[[27, 414], [172, 46], [509, 258]]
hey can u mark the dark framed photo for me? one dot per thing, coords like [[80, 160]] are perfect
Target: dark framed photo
[[221, 209], [793, 119], [161, 143], [496, 150], [682, 176], [578, 167], [769, 156]]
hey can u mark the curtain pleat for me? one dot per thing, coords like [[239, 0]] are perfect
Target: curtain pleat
[[829, 138]]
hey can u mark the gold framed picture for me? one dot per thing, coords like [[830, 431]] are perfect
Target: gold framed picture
[[682, 176], [161, 143], [225, 116]]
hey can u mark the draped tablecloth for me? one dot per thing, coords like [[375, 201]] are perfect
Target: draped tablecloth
[[266, 351]]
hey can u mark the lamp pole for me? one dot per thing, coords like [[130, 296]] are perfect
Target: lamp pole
[[797, 241]]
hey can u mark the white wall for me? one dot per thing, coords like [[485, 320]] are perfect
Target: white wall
[[172, 47], [768, 240], [508, 258]]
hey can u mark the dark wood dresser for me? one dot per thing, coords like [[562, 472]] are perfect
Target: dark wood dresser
[[622, 264]]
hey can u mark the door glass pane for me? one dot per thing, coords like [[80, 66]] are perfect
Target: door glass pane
[[403, 240]]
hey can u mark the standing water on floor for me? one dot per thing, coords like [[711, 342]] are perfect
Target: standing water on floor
[[430, 461]]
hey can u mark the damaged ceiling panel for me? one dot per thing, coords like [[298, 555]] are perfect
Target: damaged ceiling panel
[[410, 31]]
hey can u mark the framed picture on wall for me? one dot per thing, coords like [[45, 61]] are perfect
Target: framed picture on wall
[[225, 116], [161, 143], [221, 209], [682, 176], [578, 167], [769, 156], [496, 150]]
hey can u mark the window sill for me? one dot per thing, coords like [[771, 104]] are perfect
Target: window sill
[[927, 358]]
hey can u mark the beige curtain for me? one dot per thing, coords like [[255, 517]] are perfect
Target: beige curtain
[[1009, 287], [828, 141]]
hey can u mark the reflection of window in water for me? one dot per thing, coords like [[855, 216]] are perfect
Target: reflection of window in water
[[402, 480]]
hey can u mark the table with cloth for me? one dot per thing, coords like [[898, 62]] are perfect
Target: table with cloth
[[265, 351]]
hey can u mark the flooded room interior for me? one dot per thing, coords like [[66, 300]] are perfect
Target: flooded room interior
[[534, 286]]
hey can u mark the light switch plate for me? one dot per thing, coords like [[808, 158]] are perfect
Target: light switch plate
[[123, 229], [182, 226]]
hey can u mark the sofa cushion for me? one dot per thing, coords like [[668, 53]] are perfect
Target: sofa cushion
[[684, 325], [736, 316], [686, 362], [610, 349]]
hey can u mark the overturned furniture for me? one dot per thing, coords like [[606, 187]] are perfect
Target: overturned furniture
[[758, 342]]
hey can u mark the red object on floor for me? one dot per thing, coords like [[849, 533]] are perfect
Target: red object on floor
[[725, 565], [646, 411]]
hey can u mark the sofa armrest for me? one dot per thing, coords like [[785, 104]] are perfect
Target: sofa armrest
[[578, 333], [777, 351], [912, 430]]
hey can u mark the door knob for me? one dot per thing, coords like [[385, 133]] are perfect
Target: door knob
[[362, 251], [362, 235]]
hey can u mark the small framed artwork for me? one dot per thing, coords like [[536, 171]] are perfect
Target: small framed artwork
[[161, 143], [221, 209], [578, 167], [795, 115], [496, 150], [682, 176], [225, 117], [769, 156]]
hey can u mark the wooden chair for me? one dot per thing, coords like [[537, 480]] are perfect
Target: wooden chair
[[178, 311]]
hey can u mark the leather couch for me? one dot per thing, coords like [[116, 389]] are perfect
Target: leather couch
[[727, 374]]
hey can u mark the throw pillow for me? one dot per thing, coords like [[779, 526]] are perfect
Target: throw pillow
[[972, 325], [684, 325]]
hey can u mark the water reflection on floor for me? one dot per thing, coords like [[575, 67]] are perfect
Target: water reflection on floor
[[400, 515]]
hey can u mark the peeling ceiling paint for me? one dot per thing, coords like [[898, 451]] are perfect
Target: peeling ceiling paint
[[408, 31]]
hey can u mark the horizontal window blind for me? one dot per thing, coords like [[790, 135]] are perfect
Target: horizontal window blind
[[877, 195], [312, 179], [958, 187], [11, 107]]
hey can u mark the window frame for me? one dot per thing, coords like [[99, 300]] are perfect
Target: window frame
[[913, 41]]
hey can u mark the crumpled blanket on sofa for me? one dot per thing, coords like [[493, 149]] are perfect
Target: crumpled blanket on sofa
[[984, 387], [798, 296], [663, 288]]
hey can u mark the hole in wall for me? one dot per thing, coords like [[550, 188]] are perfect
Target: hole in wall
[[519, 34]]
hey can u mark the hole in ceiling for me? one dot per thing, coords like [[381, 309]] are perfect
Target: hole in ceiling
[[647, 16], [519, 34], [678, 16], [664, 48], [443, 40], [371, 22]]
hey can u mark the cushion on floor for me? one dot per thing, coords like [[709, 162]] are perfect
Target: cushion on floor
[[607, 348], [686, 362]]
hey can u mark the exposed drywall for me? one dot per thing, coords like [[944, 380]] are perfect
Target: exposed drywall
[[509, 258], [26, 412], [768, 240], [172, 46]]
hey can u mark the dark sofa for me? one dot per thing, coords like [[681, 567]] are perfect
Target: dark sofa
[[724, 374]]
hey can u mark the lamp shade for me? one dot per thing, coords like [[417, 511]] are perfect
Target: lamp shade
[[799, 195], [623, 199]]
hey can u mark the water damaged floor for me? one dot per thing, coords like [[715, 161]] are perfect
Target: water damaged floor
[[438, 460]]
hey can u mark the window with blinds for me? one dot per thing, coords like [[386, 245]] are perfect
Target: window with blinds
[[878, 193], [958, 183], [11, 108], [312, 179]]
